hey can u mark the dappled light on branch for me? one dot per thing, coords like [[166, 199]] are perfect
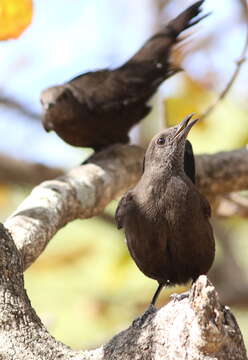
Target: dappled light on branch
[[15, 16]]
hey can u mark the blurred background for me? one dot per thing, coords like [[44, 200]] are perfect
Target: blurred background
[[85, 287]]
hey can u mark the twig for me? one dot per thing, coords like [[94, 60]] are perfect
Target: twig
[[239, 64]]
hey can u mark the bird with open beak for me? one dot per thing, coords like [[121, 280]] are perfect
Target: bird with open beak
[[165, 217]]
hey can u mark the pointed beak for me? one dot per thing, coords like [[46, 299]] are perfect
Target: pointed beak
[[184, 127]]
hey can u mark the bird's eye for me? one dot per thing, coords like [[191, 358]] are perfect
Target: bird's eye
[[161, 140]]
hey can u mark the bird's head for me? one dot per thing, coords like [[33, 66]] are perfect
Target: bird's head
[[49, 98], [167, 147]]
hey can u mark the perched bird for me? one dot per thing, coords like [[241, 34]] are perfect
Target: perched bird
[[97, 109], [165, 217]]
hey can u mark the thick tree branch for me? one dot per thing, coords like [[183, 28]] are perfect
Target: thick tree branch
[[223, 172], [195, 328], [86, 190], [82, 193]]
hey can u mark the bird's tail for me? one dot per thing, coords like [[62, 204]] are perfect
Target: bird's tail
[[183, 44], [185, 20], [155, 61]]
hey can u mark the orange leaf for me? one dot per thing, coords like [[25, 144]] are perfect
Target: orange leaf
[[15, 16]]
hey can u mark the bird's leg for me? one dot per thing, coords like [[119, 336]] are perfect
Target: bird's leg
[[157, 292], [151, 309]]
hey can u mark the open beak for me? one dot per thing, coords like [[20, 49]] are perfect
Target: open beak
[[184, 127]]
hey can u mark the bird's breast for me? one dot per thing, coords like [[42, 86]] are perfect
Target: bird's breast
[[168, 235]]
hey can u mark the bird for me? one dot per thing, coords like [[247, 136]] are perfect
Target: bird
[[98, 108], [165, 218]]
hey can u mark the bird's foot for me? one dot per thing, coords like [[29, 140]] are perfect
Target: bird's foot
[[142, 319], [179, 297]]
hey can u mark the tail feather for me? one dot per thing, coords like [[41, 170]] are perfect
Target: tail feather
[[157, 60], [186, 19], [158, 47]]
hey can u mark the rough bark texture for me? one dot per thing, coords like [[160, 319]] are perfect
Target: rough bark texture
[[197, 328], [86, 190]]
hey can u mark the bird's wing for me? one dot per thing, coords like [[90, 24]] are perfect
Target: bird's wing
[[109, 90], [89, 79], [122, 209], [189, 161], [89, 88]]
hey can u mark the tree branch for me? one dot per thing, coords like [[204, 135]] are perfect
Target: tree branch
[[223, 172], [82, 193], [12, 103], [196, 328], [22, 172], [85, 191]]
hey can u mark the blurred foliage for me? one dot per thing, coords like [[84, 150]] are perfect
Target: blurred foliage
[[15, 16], [4, 194], [229, 119]]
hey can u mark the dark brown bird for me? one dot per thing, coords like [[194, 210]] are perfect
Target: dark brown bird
[[165, 217], [98, 108]]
